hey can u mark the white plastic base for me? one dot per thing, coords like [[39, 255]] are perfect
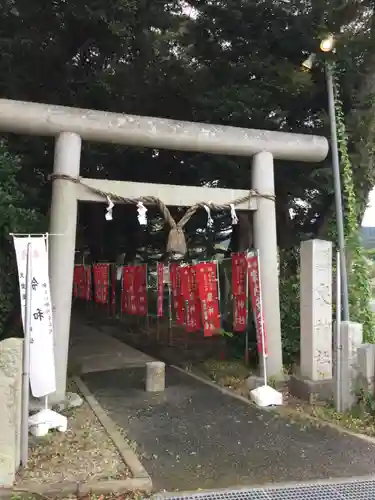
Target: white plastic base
[[266, 396], [45, 420]]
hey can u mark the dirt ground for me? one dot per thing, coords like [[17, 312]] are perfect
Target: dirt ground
[[20, 495], [84, 452]]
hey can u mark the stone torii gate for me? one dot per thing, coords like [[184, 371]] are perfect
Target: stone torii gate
[[70, 126]]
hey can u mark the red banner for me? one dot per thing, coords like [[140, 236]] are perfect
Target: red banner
[[113, 289], [255, 291], [189, 293], [128, 302], [79, 282], [240, 313], [101, 282], [124, 289], [134, 290], [88, 283], [206, 275], [239, 276], [76, 273], [175, 283], [160, 289], [140, 286]]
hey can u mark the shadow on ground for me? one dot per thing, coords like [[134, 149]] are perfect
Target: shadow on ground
[[193, 436]]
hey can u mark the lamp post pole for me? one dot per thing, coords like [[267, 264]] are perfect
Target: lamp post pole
[[337, 191]]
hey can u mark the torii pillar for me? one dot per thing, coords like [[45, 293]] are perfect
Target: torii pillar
[[70, 126], [265, 240]]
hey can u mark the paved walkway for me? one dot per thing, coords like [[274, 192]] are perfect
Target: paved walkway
[[193, 436], [94, 350]]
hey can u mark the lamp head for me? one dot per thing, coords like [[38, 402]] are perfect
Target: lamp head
[[309, 62], [327, 44]]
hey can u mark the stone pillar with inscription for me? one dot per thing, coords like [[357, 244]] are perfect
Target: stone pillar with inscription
[[314, 379]]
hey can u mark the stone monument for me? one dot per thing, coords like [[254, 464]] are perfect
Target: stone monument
[[314, 377], [10, 404]]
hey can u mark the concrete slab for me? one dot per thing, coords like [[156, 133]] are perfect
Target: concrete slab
[[10, 403], [193, 436], [94, 350]]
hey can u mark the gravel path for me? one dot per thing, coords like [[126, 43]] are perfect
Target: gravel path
[[84, 452]]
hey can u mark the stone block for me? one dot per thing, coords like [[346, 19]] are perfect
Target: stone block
[[351, 335], [310, 390], [10, 404], [316, 310], [366, 366], [155, 376]]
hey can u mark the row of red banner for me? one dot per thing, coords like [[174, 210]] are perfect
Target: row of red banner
[[196, 297], [194, 292]]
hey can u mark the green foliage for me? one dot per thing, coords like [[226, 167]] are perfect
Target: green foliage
[[370, 253], [231, 62], [224, 333], [359, 275], [15, 217], [290, 304]]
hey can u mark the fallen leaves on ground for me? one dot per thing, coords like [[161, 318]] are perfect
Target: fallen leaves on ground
[[84, 452]]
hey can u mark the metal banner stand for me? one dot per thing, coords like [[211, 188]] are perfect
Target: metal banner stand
[[26, 365], [264, 395], [40, 423], [337, 347]]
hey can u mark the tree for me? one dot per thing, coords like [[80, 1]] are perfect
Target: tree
[[250, 55], [222, 61], [232, 62], [15, 217]]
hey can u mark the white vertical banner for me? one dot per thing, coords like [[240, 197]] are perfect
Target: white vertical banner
[[42, 361]]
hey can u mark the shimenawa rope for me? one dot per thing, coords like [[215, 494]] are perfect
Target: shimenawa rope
[[176, 239]]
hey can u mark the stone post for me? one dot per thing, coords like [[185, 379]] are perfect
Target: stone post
[[155, 376], [62, 248], [316, 310], [265, 240], [351, 340], [314, 380], [10, 414], [366, 363]]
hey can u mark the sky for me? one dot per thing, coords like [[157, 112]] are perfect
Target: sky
[[369, 217]]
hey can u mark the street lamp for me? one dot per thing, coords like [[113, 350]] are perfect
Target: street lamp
[[328, 45]]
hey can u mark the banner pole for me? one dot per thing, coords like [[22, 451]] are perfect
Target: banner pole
[[170, 312], [158, 264], [246, 357], [26, 364], [262, 336], [264, 395], [337, 347], [147, 297], [46, 238]]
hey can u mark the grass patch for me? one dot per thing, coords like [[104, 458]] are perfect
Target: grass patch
[[360, 419], [230, 374]]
